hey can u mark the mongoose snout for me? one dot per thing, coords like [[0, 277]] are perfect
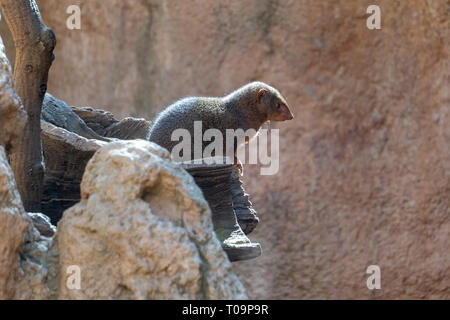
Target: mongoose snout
[[281, 113], [246, 108], [284, 113]]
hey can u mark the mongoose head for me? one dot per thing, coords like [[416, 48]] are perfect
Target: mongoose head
[[271, 103]]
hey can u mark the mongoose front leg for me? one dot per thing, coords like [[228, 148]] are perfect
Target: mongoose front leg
[[236, 161]]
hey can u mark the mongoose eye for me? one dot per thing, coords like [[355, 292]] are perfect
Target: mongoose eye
[[278, 105]]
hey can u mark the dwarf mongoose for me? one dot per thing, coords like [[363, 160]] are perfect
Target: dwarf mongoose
[[246, 108]]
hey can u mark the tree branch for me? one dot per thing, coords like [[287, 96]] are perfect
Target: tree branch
[[34, 44]]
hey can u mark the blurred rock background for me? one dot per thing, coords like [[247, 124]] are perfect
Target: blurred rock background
[[365, 165]]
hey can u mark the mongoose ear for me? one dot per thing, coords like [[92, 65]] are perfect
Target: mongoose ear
[[261, 92]]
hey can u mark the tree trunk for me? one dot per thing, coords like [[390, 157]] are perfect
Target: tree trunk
[[34, 44]]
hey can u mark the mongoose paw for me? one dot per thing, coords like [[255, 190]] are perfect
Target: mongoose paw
[[240, 167]]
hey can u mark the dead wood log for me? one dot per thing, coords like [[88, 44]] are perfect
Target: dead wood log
[[69, 143], [217, 179], [242, 206], [57, 112], [66, 155], [104, 123]]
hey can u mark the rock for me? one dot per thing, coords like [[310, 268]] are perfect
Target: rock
[[143, 230], [38, 265], [28, 259], [12, 114], [13, 225]]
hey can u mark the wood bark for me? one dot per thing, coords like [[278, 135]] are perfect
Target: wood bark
[[70, 137], [223, 190], [34, 43]]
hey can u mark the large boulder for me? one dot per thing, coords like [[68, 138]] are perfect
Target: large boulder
[[142, 230]]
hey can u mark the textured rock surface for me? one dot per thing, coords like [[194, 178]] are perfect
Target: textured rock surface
[[364, 169], [27, 257], [142, 231], [13, 224], [12, 114]]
